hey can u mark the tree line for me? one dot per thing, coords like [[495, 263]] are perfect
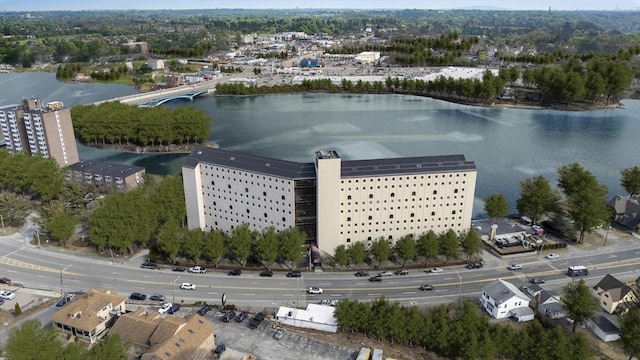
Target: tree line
[[117, 123], [428, 245], [459, 331]]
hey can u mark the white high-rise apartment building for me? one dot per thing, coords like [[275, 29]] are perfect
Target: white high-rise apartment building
[[332, 200]]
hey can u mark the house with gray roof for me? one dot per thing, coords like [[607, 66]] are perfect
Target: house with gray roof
[[612, 294], [502, 299], [626, 210], [545, 302]]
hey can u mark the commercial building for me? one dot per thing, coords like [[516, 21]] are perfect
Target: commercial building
[[334, 201], [36, 128]]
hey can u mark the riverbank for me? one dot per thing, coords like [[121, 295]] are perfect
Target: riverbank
[[158, 149]]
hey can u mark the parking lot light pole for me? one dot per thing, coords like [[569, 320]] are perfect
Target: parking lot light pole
[[61, 271], [173, 287]]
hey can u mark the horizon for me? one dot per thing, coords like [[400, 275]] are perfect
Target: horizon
[[504, 5]]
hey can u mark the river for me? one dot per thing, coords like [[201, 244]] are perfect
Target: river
[[507, 145]]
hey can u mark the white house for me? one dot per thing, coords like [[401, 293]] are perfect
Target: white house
[[156, 64], [319, 317], [502, 300], [603, 328], [545, 302]]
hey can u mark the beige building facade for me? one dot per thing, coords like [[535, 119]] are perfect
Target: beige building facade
[[335, 202]]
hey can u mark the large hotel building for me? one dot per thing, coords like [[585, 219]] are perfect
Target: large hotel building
[[333, 201], [36, 128]]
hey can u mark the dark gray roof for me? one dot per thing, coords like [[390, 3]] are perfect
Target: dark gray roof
[[349, 168], [406, 165], [105, 168], [253, 163], [609, 282], [605, 325], [501, 291]]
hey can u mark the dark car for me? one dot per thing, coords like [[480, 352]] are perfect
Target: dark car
[[362, 274], [375, 278], [179, 268], [256, 320], [174, 308], [205, 309], [241, 316], [228, 316], [235, 272], [220, 348], [5, 280], [537, 281], [137, 296], [294, 274], [157, 297], [60, 303], [149, 265], [266, 273], [402, 272], [426, 287]]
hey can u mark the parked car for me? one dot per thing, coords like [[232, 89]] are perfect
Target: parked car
[[188, 286], [402, 272], [426, 287], [174, 308], [314, 290], [537, 281], [137, 296], [235, 272], [537, 230], [375, 278], [552, 256], [228, 316], [149, 265], [256, 320], [241, 317], [5, 281], [220, 348], [179, 268], [157, 297], [62, 302], [205, 309], [279, 333], [266, 273], [2, 302], [197, 270], [514, 267], [435, 270], [164, 308], [7, 295], [329, 302], [385, 273], [362, 274], [294, 274]]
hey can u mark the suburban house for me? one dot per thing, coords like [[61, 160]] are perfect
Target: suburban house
[[503, 300], [545, 302], [319, 317], [89, 316], [626, 210], [612, 294], [157, 338], [603, 328]]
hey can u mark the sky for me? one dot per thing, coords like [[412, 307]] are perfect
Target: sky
[[41, 5]]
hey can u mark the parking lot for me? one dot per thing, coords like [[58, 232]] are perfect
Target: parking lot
[[27, 298]]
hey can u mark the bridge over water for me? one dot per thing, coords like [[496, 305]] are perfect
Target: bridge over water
[[157, 97], [187, 96]]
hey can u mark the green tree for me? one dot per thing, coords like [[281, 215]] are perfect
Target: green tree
[[61, 226], [30, 341], [496, 206], [536, 198], [578, 302], [214, 246], [292, 245], [406, 249], [192, 244], [241, 243], [109, 348], [428, 246], [170, 238], [17, 310], [357, 253], [381, 250], [267, 246], [449, 245], [586, 198], [631, 180], [630, 332], [14, 209], [470, 243], [341, 254]]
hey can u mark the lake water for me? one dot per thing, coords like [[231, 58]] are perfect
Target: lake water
[[507, 145]]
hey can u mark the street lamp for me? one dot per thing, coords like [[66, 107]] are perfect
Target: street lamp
[[61, 271], [173, 286]]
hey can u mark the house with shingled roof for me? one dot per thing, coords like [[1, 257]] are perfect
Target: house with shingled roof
[[612, 293], [502, 299], [165, 338], [90, 315]]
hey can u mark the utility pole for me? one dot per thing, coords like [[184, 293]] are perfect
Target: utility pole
[[61, 271]]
